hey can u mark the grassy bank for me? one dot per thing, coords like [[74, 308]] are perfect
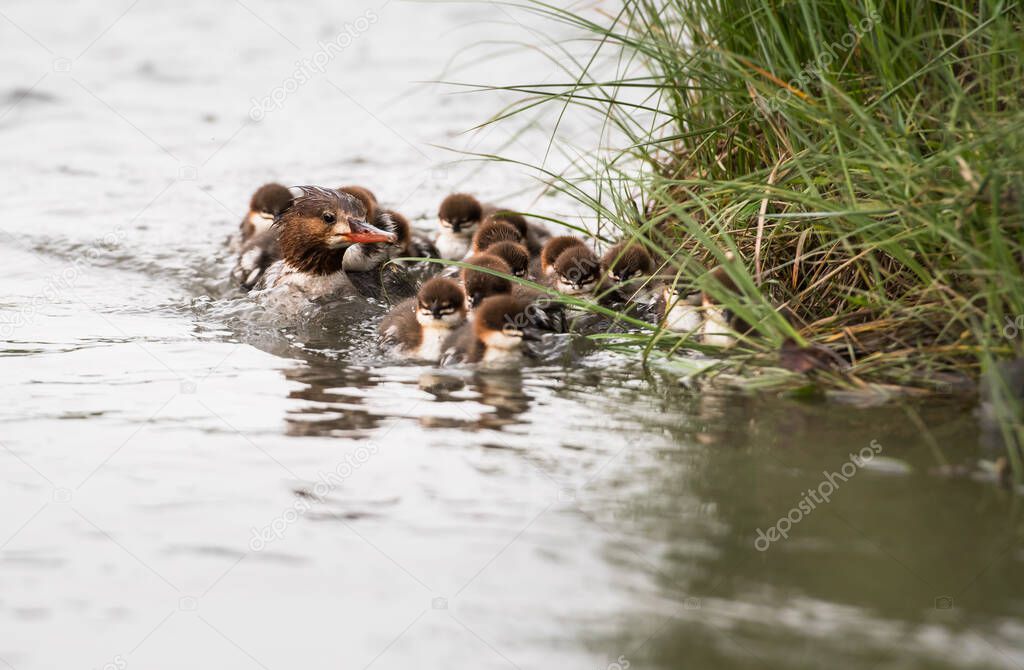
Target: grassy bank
[[863, 161]]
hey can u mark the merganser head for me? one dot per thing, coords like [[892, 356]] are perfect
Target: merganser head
[[319, 224], [460, 214], [501, 325], [440, 303], [480, 285], [265, 205], [626, 261], [553, 248], [513, 253], [363, 195], [493, 231], [577, 271], [517, 221]]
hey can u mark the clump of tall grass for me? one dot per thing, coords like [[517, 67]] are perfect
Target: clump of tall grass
[[864, 159]]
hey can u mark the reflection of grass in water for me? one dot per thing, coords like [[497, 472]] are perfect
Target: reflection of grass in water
[[865, 161]]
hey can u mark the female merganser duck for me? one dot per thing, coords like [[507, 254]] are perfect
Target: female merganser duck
[[459, 215], [513, 253], [553, 248], [314, 232], [495, 336], [493, 231], [265, 205], [577, 271], [418, 327]]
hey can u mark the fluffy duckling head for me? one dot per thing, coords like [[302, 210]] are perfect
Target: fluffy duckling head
[[440, 303], [363, 195], [577, 271], [480, 285], [554, 247], [513, 253], [319, 224], [517, 221], [265, 206], [270, 199], [459, 214], [626, 261], [501, 326], [491, 232]]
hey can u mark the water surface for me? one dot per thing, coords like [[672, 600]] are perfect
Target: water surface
[[187, 480]]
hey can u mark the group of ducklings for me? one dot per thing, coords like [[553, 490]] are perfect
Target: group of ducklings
[[317, 241]]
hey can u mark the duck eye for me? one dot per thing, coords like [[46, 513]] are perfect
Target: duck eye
[[329, 217]]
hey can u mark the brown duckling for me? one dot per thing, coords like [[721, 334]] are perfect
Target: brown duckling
[[513, 253], [479, 284], [491, 232], [553, 248], [265, 205], [627, 269], [458, 218], [495, 336], [418, 327], [533, 235], [577, 271]]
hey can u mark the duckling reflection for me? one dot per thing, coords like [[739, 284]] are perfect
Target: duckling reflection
[[501, 390], [331, 400]]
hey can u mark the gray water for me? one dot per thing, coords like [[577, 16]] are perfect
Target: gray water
[[188, 480]]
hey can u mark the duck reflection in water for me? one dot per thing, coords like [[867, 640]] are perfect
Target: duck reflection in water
[[501, 390]]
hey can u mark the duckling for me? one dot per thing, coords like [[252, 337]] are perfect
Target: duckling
[[546, 314], [495, 336], [627, 267], [368, 265], [493, 231], [256, 255], [553, 248], [458, 216], [371, 257], [577, 271], [679, 310], [479, 284], [513, 253], [266, 204], [411, 244], [720, 324], [363, 195], [533, 235], [418, 327], [314, 232]]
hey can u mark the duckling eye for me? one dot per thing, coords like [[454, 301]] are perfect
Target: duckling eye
[[329, 218]]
